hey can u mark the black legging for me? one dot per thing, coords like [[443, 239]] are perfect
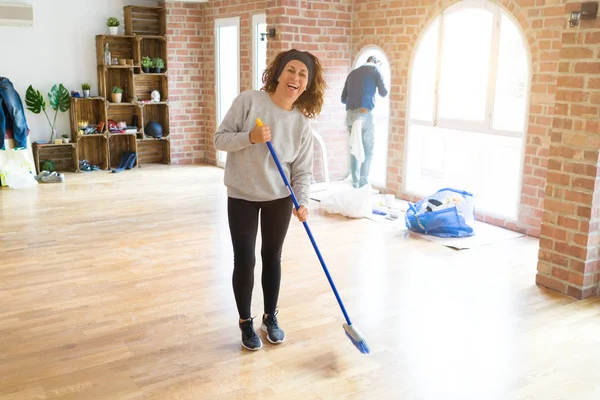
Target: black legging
[[243, 224]]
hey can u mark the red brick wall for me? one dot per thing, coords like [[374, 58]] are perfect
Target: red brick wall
[[395, 26], [226, 9], [192, 67], [185, 22], [322, 27], [569, 259], [192, 72]]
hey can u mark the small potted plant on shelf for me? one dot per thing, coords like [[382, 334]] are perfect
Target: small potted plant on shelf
[[147, 64], [158, 64], [86, 90], [116, 94], [113, 25], [65, 138]]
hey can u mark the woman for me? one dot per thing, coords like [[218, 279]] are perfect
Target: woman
[[292, 93]]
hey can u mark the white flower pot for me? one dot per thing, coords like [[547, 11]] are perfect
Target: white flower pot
[[114, 30]]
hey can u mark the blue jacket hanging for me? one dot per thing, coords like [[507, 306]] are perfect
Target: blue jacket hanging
[[12, 113]]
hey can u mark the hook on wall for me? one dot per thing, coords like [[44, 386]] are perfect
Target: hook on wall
[[270, 34]]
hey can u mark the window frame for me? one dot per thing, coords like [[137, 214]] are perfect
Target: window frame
[[222, 23], [256, 74], [485, 126]]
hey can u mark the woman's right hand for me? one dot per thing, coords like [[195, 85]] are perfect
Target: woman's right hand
[[260, 134]]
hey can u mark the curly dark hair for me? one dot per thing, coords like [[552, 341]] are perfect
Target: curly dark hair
[[311, 101]]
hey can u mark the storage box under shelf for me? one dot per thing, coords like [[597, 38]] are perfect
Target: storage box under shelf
[[63, 155], [92, 110], [156, 112], [140, 20], [119, 143], [154, 151], [94, 149]]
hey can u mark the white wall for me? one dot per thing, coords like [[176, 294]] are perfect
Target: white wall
[[60, 47]]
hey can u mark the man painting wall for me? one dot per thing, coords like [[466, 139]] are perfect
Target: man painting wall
[[359, 97]]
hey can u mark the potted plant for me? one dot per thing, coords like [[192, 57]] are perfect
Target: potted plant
[[113, 25], [158, 64], [86, 90], [65, 138], [59, 100], [116, 94], [147, 64]]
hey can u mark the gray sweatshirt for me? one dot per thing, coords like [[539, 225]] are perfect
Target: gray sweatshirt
[[250, 171]]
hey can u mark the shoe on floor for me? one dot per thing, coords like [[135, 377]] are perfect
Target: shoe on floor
[[53, 177], [41, 175], [250, 339], [275, 334]]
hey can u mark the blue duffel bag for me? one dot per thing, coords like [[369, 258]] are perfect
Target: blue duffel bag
[[447, 213]]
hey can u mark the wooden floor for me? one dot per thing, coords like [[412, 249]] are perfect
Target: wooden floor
[[118, 286]]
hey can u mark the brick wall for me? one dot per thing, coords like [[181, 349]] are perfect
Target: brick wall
[[569, 259], [226, 9], [192, 72], [395, 26], [322, 27], [185, 27], [192, 68]]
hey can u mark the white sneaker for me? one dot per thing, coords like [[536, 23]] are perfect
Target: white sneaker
[[41, 175], [53, 177]]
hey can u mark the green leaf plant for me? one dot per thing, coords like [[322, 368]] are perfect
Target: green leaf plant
[[58, 97]]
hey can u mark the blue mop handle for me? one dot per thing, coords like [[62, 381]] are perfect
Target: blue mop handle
[[312, 239]]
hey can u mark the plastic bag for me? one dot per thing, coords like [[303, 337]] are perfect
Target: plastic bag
[[16, 169], [447, 213], [16, 161], [20, 180], [353, 203]]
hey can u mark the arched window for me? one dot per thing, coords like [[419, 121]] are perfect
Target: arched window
[[467, 110], [381, 116]]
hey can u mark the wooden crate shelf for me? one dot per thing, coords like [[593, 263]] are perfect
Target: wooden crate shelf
[[140, 20], [154, 151], [156, 112], [153, 47], [146, 83], [119, 143], [94, 149], [130, 113], [91, 109], [145, 36], [120, 47], [121, 77], [63, 155]]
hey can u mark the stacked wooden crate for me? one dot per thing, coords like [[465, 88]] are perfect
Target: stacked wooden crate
[[145, 36]]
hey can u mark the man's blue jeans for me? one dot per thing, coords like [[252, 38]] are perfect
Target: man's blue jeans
[[11, 108], [360, 171]]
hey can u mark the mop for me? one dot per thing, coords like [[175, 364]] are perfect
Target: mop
[[353, 334]]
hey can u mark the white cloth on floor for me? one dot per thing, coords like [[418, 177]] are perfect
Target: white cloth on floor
[[356, 143]]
